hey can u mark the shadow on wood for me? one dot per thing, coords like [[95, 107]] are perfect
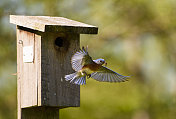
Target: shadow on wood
[[40, 113]]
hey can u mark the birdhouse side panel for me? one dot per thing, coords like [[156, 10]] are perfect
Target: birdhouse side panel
[[57, 50], [29, 67]]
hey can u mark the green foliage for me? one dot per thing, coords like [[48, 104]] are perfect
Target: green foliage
[[136, 37]]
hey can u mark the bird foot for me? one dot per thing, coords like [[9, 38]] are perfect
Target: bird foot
[[88, 76]]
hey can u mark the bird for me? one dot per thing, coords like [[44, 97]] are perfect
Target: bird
[[85, 67]]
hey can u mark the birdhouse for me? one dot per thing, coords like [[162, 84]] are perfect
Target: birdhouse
[[45, 46]]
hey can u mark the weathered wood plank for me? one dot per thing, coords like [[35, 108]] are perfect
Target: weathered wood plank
[[38, 65], [54, 24], [27, 72], [55, 65], [19, 69]]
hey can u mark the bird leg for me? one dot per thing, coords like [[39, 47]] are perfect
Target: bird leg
[[88, 75]]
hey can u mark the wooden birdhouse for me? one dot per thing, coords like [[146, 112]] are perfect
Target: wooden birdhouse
[[45, 46]]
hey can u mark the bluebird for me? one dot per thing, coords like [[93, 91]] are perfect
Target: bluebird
[[85, 67]]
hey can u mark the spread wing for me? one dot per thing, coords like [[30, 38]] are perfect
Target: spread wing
[[107, 75], [80, 59]]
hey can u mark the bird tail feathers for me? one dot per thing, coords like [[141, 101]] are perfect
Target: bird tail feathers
[[76, 79]]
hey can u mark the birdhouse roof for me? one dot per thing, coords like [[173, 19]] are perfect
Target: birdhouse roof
[[53, 24]]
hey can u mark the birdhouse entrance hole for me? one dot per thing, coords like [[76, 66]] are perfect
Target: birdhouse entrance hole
[[59, 41]]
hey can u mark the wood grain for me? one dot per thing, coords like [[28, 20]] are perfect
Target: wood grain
[[55, 65], [38, 66], [53, 24], [28, 73], [19, 75]]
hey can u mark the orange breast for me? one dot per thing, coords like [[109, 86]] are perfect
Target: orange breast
[[93, 66]]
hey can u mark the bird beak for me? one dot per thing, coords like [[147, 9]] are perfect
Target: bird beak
[[105, 63]]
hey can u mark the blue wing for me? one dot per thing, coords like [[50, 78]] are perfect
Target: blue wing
[[79, 81], [80, 59], [75, 79], [107, 75]]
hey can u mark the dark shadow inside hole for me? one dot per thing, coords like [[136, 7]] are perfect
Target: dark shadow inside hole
[[59, 41]]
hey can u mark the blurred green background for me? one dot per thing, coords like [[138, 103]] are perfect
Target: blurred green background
[[136, 37]]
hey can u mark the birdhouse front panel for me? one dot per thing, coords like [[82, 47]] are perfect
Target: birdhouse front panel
[[57, 50]]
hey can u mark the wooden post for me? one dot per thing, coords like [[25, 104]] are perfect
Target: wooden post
[[45, 46]]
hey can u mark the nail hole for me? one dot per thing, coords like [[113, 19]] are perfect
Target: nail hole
[[59, 41]]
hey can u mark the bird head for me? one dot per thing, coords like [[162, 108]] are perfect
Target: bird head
[[100, 61]]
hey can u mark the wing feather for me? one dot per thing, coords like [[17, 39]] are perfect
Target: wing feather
[[107, 75], [80, 58]]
